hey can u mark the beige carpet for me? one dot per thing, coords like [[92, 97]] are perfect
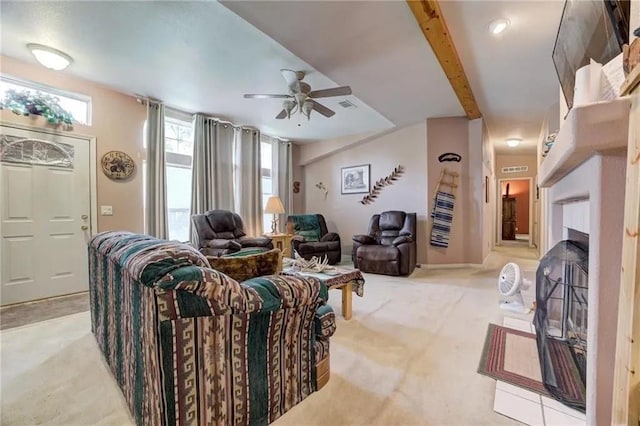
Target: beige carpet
[[408, 357], [520, 357]]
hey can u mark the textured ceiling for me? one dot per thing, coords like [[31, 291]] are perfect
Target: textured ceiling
[[196, 56], [203, 56], [379, 49], [376, 47], [512, 74]]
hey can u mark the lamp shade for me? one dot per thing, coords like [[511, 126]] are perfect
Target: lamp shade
[[274, 205]]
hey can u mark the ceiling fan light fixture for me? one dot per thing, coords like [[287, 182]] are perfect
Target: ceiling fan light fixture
[[49, 57], [307, 107], [288, 106]]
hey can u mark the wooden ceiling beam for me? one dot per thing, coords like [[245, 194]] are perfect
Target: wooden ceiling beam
[[434, 28]]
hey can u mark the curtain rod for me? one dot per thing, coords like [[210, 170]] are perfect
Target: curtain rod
[[235, 126], [144, 100]]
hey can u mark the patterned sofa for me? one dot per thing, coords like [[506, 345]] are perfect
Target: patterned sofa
[[189, 345]]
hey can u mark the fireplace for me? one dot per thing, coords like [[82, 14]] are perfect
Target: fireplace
[[583, 181], [561, 320]]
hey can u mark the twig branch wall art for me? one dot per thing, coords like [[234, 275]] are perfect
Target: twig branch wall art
[[321, 186], [381, 183]]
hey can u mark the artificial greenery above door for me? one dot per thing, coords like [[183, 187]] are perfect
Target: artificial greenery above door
[[25, 102]]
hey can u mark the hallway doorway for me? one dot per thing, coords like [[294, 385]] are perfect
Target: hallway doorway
[[515, 212]]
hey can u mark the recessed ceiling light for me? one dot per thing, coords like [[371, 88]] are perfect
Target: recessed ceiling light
[[49, 57], [513, 142], [498, 25]]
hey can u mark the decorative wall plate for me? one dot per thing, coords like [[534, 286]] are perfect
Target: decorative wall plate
[[117, 165]]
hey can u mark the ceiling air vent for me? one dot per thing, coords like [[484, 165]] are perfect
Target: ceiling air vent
[[346, 104], [515, 169]]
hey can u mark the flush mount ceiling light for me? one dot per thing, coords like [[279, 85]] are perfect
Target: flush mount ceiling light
[[498, 25], [49, 57], [513, 142]]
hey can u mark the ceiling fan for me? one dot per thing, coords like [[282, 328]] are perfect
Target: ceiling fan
[[300, 97]]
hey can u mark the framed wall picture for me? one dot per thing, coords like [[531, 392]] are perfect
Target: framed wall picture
[[355, 179]]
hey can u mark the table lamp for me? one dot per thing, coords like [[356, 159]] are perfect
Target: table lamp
[[274, 206]]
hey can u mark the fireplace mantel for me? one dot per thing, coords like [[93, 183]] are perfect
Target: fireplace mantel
[[588, 129]]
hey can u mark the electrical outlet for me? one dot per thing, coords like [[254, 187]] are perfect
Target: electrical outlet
[[106, 210]]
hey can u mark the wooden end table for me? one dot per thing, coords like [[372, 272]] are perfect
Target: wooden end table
[[282, 242], [348, 280]]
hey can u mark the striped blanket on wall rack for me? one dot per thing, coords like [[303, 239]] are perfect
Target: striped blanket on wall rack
[[442, 215]]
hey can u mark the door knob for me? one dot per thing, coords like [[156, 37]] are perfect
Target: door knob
[[84, 217], [84, 227]]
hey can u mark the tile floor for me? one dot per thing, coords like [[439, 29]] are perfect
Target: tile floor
[[529, 407]]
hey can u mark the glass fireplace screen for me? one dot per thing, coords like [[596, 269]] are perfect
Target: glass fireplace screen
[[561, 321]]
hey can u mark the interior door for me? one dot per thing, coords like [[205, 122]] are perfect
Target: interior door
[[508, 218], [45, 214]]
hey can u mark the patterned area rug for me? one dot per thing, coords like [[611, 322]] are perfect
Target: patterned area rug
[[512, 356], [570, 388]]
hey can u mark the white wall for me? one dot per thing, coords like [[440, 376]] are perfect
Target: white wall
[[315, 151], [344, 213], [489, 188]]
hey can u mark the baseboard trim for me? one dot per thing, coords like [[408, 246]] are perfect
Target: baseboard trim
[[451, 265]]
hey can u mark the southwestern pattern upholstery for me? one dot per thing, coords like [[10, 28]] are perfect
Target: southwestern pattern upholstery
[[390, 245], [312, 238], [325, 325], [189, 345], [221, 232]]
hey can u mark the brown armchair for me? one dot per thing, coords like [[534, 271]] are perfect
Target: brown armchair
[[389, 247], [221, 232], [312, 238]]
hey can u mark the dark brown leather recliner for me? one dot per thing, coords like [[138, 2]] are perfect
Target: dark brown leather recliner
[[323, 244], [221, 232], [389, 247]]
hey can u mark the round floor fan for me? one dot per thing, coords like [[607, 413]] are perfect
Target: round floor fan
[[510, 285]]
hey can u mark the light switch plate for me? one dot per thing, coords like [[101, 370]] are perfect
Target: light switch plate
[[106, 210]]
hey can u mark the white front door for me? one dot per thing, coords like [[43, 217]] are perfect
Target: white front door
[[45, 207]]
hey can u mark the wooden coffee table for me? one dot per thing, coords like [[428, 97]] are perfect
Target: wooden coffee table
[[348, 280]]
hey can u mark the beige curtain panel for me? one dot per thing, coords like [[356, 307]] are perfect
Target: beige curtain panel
[[212, 171], [156, 180], [282, 166], [248, 201]]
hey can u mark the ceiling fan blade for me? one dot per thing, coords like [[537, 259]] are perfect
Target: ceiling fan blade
[[265, 96], [283, 114], [326, 93], [323, 109]]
